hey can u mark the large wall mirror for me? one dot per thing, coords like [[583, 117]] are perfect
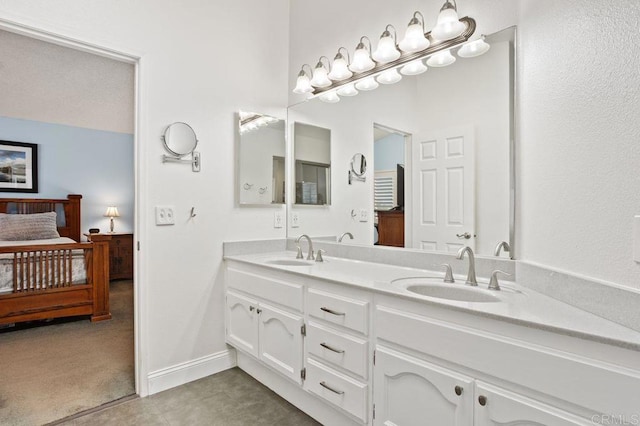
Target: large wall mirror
[[440, 147], [261, 162], [312, 165]]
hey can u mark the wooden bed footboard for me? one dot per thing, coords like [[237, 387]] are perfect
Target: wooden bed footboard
[[44, 285]]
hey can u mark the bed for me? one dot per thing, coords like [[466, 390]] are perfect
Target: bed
[[56, 276]]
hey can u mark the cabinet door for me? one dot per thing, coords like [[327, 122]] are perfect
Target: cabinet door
[[495, 406], [242, 323], [281, 341], [409, 391]]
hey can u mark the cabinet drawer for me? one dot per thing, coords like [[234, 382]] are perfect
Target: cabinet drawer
[[285, 293], [344, 311], [338, 348], [339, 390]]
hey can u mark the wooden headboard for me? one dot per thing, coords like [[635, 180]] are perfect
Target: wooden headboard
[[69, 227]]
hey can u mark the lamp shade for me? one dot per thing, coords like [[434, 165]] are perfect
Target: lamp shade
[[386, 50], [413, 68], [320, 78], [361, 60], [348, 90], [112, 212], [368, 83], [474, 48], [448, 25], [302, 84], [330, 97], [339, 69], [389, 77], [441, 59], [414, 39]]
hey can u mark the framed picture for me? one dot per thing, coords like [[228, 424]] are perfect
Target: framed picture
[[18, 167]]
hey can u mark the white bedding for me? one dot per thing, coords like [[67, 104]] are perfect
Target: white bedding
[[79, 273]]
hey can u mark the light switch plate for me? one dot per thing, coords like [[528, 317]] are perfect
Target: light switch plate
[[364, 215], [295, 220], [165, 215], [278, 219], [636, 239]]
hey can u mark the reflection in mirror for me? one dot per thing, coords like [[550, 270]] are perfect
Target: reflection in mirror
[[180, 139], [312, 151], [261, 170], [440, 143], [359, 165]]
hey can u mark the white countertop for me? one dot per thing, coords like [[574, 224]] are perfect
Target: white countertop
[[520, 304]]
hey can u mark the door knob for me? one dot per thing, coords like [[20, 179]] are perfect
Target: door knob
[[466, 235]]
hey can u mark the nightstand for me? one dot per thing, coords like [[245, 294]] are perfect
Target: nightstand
[[120, 255]]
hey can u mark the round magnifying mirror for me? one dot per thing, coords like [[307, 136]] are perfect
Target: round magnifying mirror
[[180, 139], [359, 165]]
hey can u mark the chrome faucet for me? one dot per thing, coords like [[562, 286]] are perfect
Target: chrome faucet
[[346, 234], [471, 276], [501, 245], [310, 254]]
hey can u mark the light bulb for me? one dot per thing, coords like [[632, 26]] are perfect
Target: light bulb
[[347, 90], [389, 77], [361, 59], [320, 78], [386, 50], [330, 97], [414, 39], [413, 68], [302, 84], [339, 69], [368, 83], [441, 59], [448, 25], [474, 48]]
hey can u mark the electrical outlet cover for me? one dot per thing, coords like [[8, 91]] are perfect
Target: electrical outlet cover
[[278, 220], [364, 215], [165, 215], [295, 220]]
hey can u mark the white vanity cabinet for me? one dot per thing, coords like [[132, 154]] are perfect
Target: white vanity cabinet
[[272, 334]]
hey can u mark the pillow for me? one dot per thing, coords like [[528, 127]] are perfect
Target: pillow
[[23, 227]]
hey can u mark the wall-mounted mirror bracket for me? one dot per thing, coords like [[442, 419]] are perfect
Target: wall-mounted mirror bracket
[[353, 176], [180, 140], [194, 160]]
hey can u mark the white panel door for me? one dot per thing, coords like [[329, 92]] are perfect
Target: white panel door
[[281, 341], [495, 407], [242, 323], [409, 391], [443, 193]]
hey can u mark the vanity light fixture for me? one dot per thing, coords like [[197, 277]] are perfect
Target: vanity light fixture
[[362, 57], [251, 121], [414, 68], [390, 76], [303, 83], [386, 51], [320, 74], [340, 67], [368, 83], [330, 97], [474, 48], [448, 25], [348, 90], [414, 39], [441, 59]]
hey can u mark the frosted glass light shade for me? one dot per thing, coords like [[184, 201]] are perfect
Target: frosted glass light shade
[[474, 48], [386, 50], [441, 59], [347, 90], [414, 39], [320, 78], [414, 68], [330, 97], [368, 83], [389, 77], [112, 212], [448, 25], [302, 84], [339, 69], [361, 60]]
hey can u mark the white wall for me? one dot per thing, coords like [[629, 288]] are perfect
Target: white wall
[[579, 149], [201, 63]]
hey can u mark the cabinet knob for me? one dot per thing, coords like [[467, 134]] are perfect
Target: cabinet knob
[[458, 390], [482, 400], [251, 308], [259, 310]]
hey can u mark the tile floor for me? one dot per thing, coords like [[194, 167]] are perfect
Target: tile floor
[[229, 398]]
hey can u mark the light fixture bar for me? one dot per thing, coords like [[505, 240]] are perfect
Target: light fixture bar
[[436, 46]]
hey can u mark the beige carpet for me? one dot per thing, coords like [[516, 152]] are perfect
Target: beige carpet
[[55, 370]]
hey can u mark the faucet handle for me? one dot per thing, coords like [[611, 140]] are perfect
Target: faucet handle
[[448, 275], [299, 255], [319, 255], [493, 282]]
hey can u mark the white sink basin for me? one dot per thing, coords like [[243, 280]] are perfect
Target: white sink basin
[[289, 262], [437, 288]]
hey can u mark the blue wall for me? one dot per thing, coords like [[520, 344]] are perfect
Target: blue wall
[[73, 160], [388, 152]]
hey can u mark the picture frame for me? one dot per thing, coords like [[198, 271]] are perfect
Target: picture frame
[[18, 167]]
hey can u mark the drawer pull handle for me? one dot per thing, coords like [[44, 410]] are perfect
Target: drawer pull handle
[[251, 308], [459, 390], [332, 349], [331, 311], [259, 311], [326, 386], [482, 400]]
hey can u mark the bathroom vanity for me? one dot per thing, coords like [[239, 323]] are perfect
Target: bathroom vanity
[[353, 342]]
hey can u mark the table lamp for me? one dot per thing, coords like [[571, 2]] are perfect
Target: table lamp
[[111, 213]]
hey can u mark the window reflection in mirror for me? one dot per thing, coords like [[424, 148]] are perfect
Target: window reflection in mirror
[[312, 150], [261, 178]]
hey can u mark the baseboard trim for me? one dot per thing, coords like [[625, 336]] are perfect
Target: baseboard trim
[[189, 371]]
